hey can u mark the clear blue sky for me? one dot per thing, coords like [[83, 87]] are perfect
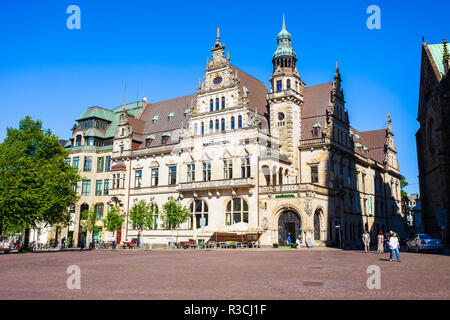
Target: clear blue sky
[[54, 74]]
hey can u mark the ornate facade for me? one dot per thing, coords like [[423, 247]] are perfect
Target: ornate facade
[[244, 158]]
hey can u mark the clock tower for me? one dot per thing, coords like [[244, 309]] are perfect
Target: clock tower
[[286, 97]]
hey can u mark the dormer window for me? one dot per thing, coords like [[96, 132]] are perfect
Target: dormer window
[[155, 118], [165, 137], [149, 139], [171, 115], [316, 128]]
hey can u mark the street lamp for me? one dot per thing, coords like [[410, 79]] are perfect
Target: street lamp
[[338, 229]]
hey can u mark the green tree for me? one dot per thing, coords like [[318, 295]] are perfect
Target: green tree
[[141, 214], [113, 220], [36, 184], [403, 185], [89, 220], [174, 214]]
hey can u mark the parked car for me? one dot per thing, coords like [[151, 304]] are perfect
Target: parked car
[[421, 242]]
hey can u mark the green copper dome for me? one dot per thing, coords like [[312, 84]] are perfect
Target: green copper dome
[[284, 48]]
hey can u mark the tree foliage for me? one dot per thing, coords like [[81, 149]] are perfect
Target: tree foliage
[[36, 184], [141, 214], [113, 220], [89, 220], [403, 185], [174, 214]]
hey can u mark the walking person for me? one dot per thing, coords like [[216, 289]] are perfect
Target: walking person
[[289, 239], [394, 246], [63, 242], [366, 241], [299, 241], [380, 242], [83, 243]]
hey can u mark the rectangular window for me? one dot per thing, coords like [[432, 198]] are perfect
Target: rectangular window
[[363, 183], [172, 175], [314, 174], [138, 179], [228, 169], [108, 164], [98, 187], [155, 176], [76, 163], [99, 211], [68, 161], [206, 171], [191, 172], [245, 168], [75, 187], [100, 162], [86, 188], [279, 86], [87, 164], [106, 187]]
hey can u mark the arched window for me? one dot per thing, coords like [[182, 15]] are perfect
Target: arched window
[[195, 129], [211, 105], [211, 126], [84, 208], [232, 123], [217, 104], [223, 125], [240, 122], [237, 211], [280, 176], [203, 128], [288, 84], [223, 102], [217, 124], [317, 226], [155, 216], [199, 210]]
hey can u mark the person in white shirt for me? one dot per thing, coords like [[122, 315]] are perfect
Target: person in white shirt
[[394, 246], [366, 241]]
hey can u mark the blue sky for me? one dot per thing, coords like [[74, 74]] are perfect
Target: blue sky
[[54, 74]]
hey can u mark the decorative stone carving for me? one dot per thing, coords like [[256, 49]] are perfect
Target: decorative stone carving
[[308, 206]]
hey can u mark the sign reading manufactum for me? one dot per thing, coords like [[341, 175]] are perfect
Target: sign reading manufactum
[[215, 143]]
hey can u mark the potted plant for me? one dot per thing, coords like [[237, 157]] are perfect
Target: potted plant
[[275, 245]]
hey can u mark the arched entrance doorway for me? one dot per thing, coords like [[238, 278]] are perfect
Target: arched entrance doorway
[[288, 222]]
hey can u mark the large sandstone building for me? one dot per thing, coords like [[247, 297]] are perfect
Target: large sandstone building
[[242, 158], [433, 138]]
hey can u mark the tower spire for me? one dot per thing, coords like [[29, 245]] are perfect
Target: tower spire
[[284, 24], [389, 123]]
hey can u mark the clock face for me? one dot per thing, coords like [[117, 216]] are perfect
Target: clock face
[[217, 80], [281, 116]]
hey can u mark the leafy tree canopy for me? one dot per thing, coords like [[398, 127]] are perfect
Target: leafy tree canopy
[[141, 215], [174, 214], [113, 220], [36, 184]]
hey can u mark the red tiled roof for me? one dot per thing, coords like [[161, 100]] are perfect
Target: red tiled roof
[[313, 110]]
